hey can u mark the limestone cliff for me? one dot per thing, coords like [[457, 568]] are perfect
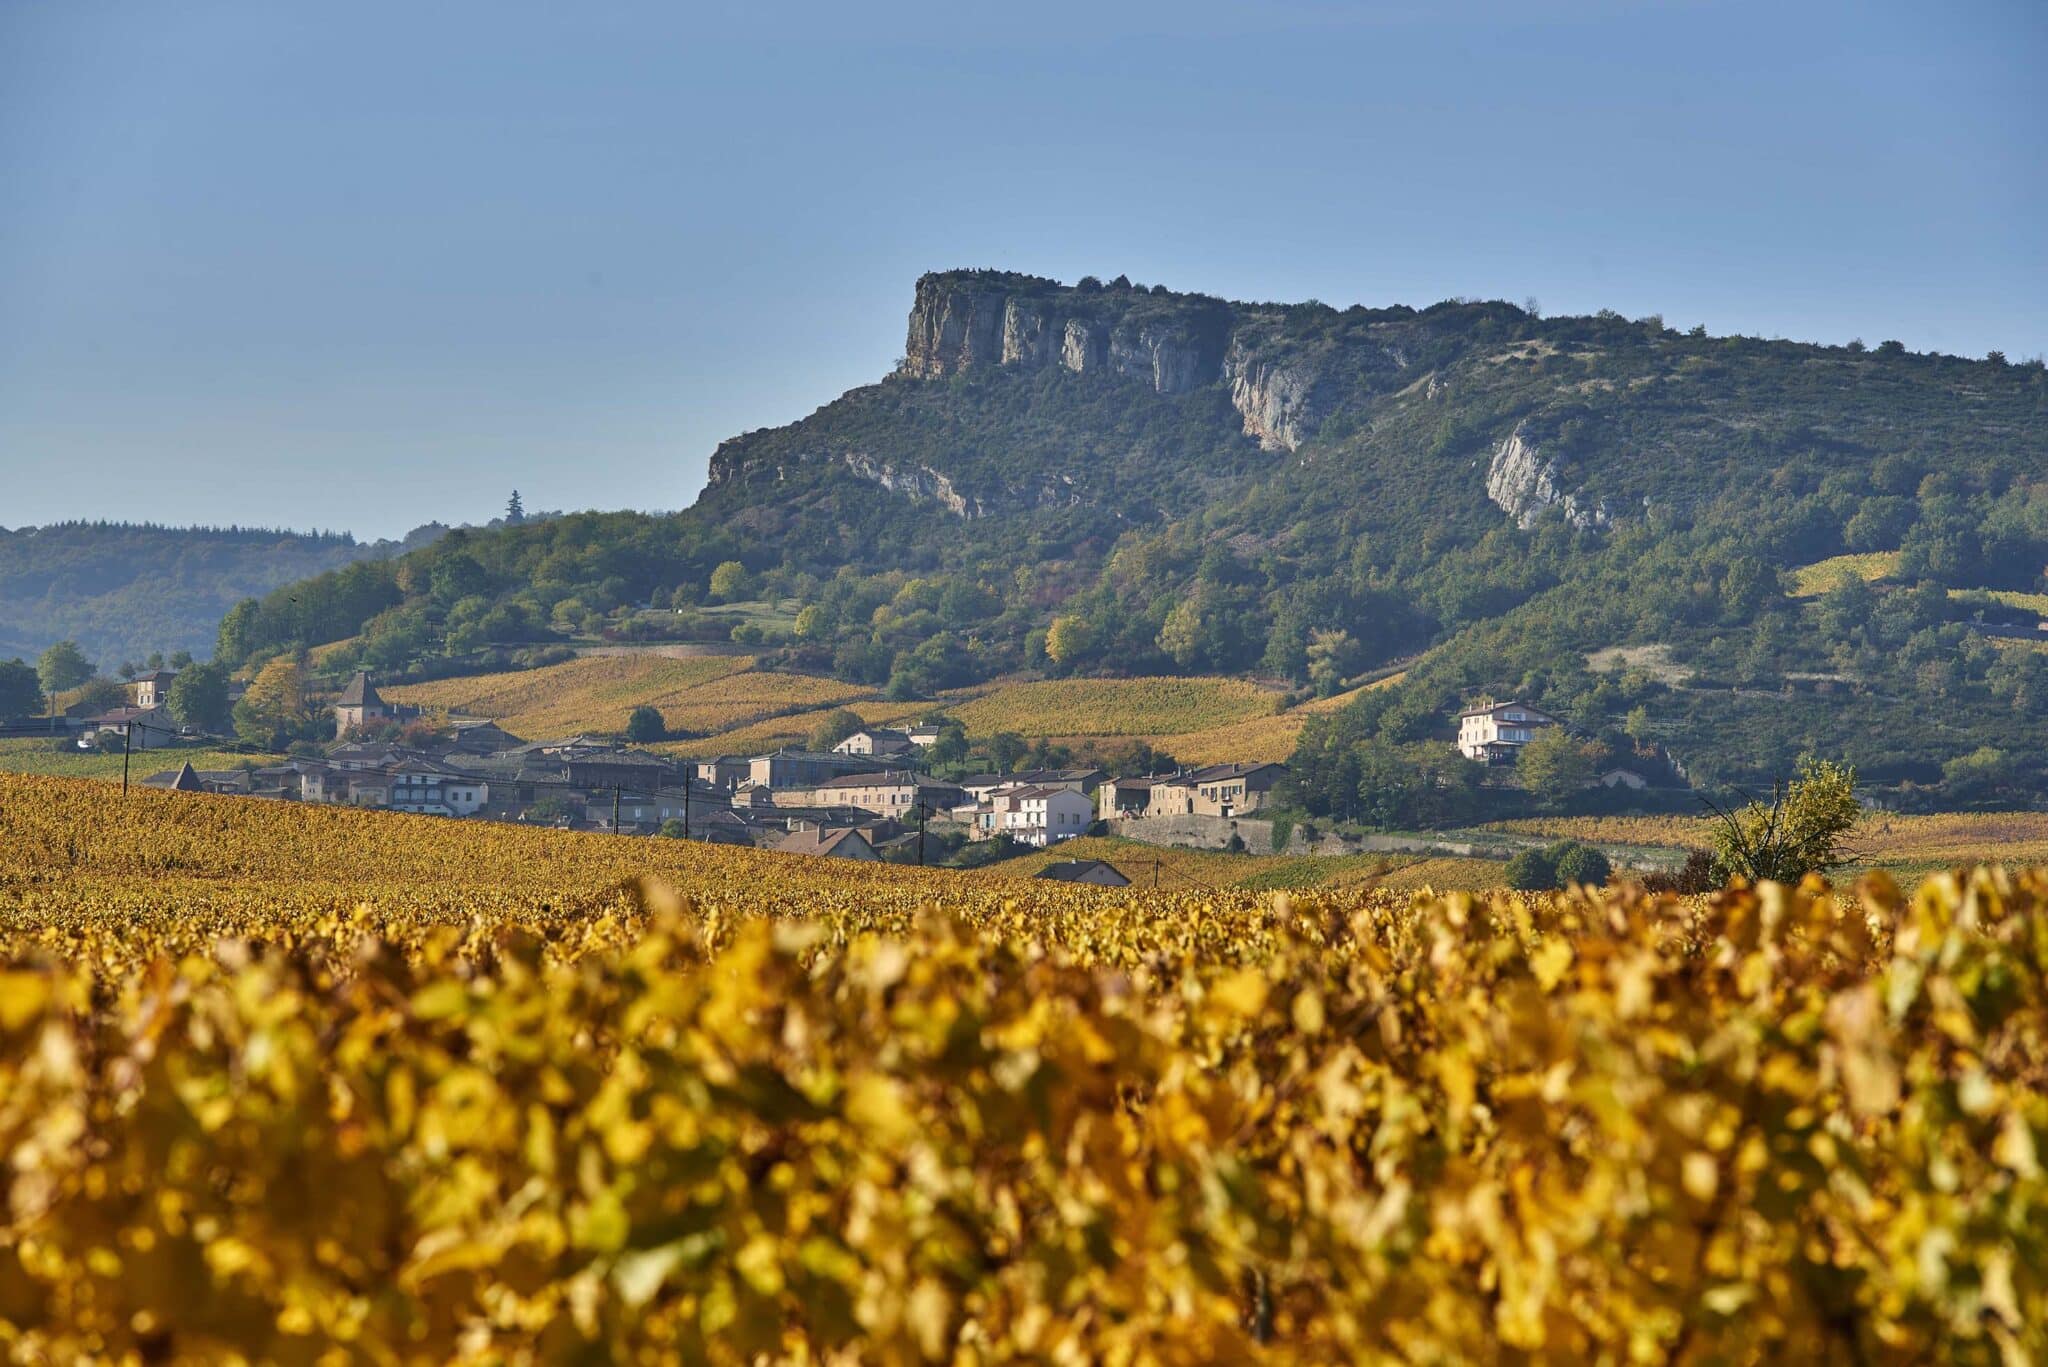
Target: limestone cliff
[[1522, 482], [1176, 343], [1279, 401]]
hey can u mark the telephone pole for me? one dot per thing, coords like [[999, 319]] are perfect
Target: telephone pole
[[920, 832], [615, 809], [686, 804], [127, 744]]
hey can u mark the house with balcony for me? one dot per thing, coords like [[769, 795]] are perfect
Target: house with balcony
[[1494, 733]]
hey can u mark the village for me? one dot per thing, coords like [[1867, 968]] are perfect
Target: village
[[872, 796]]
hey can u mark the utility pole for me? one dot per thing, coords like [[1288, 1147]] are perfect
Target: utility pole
[[615, 809], [127, 744], [920, 832], [686, 803], [1155, 872]]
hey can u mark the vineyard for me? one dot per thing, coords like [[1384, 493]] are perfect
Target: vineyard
[[287, 1084], [595, 694], [1811, 581], [1268, 737], [1115, 707], [1882, 839]]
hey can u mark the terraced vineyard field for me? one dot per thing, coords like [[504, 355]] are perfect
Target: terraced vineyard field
[[597, 693], [793, 730], [1811, 581], [299, 1084], [1115, 707], [1270, 737]]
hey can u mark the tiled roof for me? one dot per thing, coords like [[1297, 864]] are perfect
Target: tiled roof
[[359, 693]]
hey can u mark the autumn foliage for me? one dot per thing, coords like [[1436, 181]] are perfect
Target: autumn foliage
[[909, 1118]]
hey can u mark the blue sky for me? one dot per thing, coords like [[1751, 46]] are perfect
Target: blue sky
[[366, 265]]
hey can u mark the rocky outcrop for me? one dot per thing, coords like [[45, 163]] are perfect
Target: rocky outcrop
[[1172, 356], [1523, 483], [963, 320], [1278, 400], [1084, 345], [915, 482], [1030, 336], [953, 328]]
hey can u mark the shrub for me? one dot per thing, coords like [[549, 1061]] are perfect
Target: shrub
[[1532, 871], [1576, 863]]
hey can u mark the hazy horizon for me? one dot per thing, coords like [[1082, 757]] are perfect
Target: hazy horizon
[[364, 271]]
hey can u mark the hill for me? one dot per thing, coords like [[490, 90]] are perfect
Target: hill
[[1109, 479], [125, 590]]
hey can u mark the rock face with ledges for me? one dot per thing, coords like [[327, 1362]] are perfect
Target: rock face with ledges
[[1523, 483]]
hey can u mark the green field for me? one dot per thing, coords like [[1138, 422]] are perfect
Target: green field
[[37, 756]]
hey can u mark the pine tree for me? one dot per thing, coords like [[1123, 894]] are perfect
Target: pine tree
[[515, 511]]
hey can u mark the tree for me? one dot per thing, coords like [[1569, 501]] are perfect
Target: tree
[[1637, 726], [199, 697], [549, 810], [1554, 765], [515, 511], [98, 695], [275, 705], [674, 829], [834, 727], [21, 693], [1005, 748], [1331, 656], [181, 659], [810, 623], [1068, 639], [645, 724], [456, 577], [729, 582], [1803, 829], [63, 666]]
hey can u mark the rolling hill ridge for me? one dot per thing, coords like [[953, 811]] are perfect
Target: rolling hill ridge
[[1115, 479]]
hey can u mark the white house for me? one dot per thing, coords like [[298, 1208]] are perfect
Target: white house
[[874, 740], [424, 788], [1041, 816], [1493, 732], [139, 728]]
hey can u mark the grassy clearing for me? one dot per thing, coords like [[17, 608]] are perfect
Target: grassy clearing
[[1653, 660], [1885, 840], [2011, 598], [1181, 870], [35, 756]]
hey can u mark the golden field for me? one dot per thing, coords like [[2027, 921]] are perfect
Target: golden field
[[1114, 707], [1811, 581], [1882, 839], [596, 694], [1259, 739], [283, 1084]]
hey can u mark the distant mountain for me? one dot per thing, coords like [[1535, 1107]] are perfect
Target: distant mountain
[[123, 590], [1598, 514]]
